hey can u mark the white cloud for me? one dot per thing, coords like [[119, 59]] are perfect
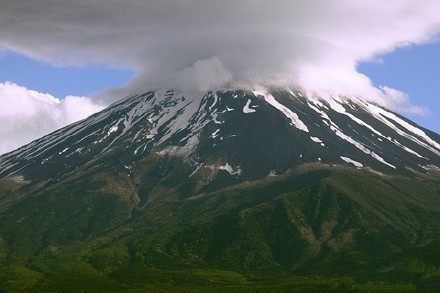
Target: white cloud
[[255, 41], [400, 101], [322, 82], [26, 115], [204, 75], [313, 44]]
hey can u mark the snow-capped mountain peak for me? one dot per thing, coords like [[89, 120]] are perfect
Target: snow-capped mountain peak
[[240, 134]]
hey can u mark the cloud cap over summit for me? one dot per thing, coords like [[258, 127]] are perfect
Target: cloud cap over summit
[[313, 44], [198, 45]]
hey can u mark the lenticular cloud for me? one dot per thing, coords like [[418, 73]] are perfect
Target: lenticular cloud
[[312, 44]]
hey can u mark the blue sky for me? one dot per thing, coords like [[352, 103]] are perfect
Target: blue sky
[[59, 81], [414, 70]]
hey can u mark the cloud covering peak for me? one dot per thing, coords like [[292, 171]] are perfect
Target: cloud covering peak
[[302, 42], [199, 45]]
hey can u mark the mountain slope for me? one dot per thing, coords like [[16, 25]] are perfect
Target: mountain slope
[[249, 182], [284, 129]]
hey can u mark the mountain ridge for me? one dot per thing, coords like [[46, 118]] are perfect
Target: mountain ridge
[[252, 190], [171, 118]]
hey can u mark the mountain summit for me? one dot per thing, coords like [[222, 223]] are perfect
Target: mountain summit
[[231, 183], [248, 134]]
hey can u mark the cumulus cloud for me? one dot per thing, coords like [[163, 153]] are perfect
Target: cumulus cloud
[[312, 44], [400, 101], [26, 115]]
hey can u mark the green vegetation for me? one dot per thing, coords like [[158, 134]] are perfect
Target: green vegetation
[[327, 230], [82, 279]]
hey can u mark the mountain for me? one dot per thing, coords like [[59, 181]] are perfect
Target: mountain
[[247, 189]]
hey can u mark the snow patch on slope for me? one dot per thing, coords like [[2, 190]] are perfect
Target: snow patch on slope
[[335, 128], [350, 161], [246, 108], [340, 109], [416, 135], [316, 139], [228, 168], [215, 133], [295, 121]]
